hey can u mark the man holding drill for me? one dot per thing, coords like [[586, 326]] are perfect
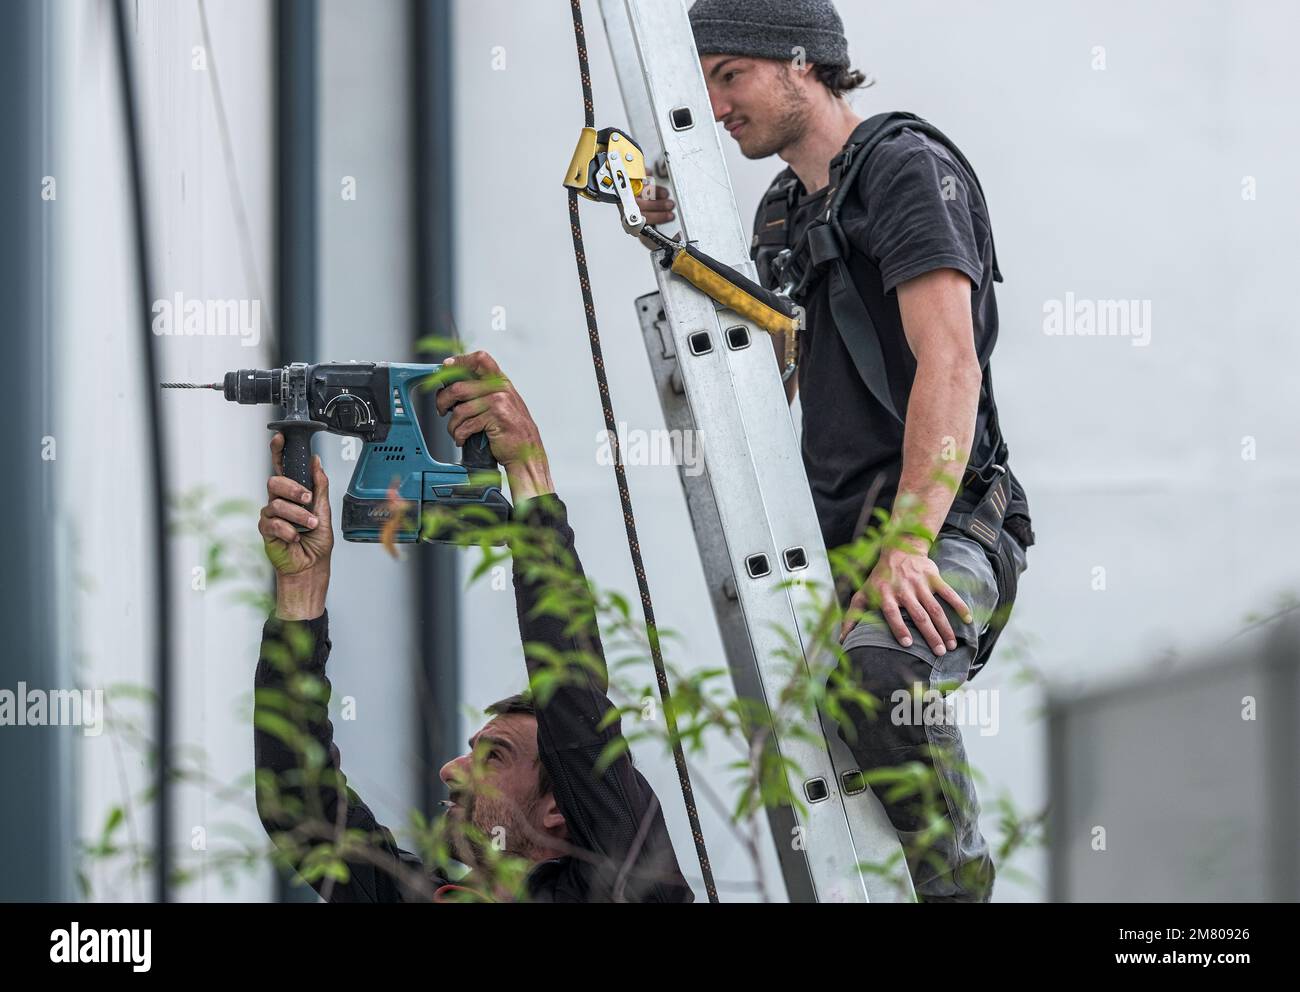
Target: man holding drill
[[530, 788], [897, 396]]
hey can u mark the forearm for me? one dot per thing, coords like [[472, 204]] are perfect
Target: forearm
[[290, 720], [530, 477], [941, 417], [552, 597], [303, 797], [302, 596], [546, 560]]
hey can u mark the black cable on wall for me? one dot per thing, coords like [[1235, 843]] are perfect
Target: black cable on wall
[[158, 454]]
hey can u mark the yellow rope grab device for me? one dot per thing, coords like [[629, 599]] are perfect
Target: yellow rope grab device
[[608, 166]]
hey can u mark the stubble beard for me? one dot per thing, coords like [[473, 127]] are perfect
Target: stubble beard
[[789, 124], [486, 816]]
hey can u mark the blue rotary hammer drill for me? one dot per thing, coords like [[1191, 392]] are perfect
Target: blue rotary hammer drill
[[396, 480]]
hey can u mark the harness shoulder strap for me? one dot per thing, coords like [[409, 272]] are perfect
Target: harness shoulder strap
[[827, 245], [771, 224], [846, 166], [827, 248]]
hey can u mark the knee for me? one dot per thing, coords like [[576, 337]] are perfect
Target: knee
[[891, 679], [885, 673]]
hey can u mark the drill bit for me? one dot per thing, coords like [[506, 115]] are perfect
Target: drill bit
[[191, 385]]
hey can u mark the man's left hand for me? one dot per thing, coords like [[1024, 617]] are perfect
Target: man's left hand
[[489, 403], [905, 579]]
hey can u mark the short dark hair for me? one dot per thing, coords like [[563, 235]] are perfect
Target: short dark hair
[[841, 79], [522, 704]]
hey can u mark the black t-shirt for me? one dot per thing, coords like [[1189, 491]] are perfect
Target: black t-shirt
[[915, 209]]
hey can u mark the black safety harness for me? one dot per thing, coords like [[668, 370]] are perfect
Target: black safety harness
[[822, 253]]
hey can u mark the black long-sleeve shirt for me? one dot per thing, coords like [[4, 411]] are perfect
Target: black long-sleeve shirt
[[614, 817]]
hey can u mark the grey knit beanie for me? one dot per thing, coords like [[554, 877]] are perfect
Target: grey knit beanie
[[771, 29]]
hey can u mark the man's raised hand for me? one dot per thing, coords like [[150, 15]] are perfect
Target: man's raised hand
[[490, 404], [291, 551]]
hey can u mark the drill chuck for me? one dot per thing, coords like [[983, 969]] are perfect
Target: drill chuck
[[249, 386]]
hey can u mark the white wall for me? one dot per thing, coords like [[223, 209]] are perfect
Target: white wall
[[1124, 184], [104, 501], [365, 301], [365, 292]]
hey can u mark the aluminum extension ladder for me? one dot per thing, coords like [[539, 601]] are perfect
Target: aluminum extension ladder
[[751, 509]]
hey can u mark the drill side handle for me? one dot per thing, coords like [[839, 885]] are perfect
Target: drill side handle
[[297, 449]]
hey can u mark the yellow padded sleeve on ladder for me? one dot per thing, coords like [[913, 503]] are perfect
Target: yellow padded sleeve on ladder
[[730, 295]]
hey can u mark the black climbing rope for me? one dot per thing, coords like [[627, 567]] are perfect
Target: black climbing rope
[[629, 519]]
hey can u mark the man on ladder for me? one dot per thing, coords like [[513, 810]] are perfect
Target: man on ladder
[[880, 230]]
